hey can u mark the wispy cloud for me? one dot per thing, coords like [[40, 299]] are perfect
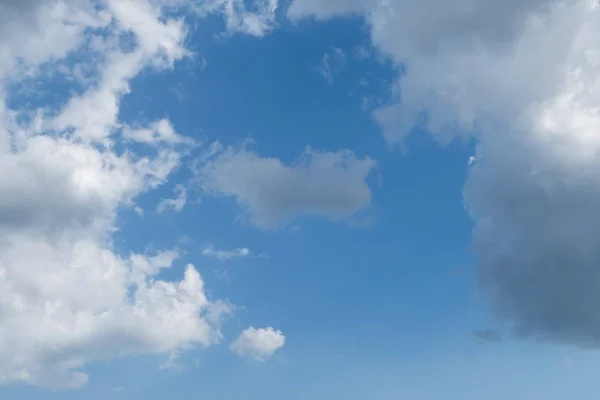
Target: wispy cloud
[[332, 63], [225, 255], [177, 203]]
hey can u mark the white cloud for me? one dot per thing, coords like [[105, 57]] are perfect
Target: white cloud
[[524, 78], [74, 301], [258, 344], [35, 31], [256, 20], [461, 51], [93, 115], [177, 203], [171, 362], [224, 255], [160, 131], [67, 298], [327, 184]]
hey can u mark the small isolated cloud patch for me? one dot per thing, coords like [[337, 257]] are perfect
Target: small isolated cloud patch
[[224, 255], [259, 344], [319, 183]]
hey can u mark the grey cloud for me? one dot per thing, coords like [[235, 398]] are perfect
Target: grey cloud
[[37, 197], [16, 12], [19, 6], [537, 241], [491, 21], [326, 184], [457, 53], [523, 78]]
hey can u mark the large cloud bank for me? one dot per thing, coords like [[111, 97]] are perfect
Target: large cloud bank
[[523, 77], [66, 168]]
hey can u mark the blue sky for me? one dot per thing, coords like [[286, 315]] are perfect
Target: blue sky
[[376, 207]]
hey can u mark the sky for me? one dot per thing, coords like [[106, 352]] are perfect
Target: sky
[[299, 199]]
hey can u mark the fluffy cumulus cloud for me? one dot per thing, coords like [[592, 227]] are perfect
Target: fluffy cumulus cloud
[[328, 184], [258, 344], [523, 77], [66, 297]]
